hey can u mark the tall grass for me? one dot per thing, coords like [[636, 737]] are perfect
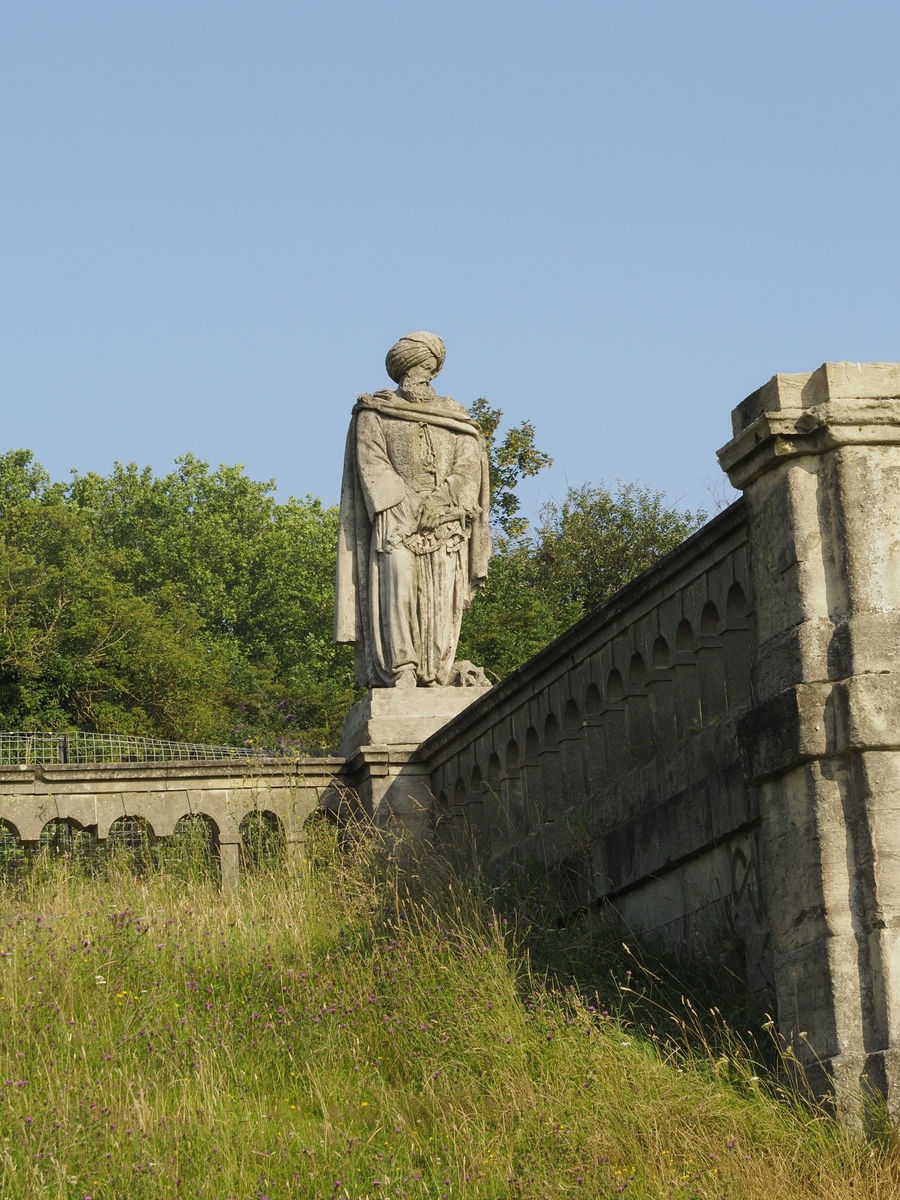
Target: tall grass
[[356, 1030]]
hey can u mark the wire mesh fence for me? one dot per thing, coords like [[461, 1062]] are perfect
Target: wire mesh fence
[[49, 749]]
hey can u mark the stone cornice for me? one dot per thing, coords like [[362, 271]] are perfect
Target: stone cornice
[[840, 404], [775, 437]]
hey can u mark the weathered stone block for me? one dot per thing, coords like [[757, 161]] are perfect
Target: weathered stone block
[[402, 716], [785, 730], [867, 713]]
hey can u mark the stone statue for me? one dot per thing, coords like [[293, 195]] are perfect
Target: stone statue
[[414, 541]]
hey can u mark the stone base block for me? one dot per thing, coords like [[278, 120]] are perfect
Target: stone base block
[[379, 739], [402, 716]]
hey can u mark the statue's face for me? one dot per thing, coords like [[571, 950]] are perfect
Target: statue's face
[[423, 372]]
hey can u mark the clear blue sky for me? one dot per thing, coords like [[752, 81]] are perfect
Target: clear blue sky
[[621, 217]]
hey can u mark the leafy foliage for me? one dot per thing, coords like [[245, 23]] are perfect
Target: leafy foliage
[[511, 460], [596, 541], [190, 605]]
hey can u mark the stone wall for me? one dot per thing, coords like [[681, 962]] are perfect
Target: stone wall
[[611, 760]]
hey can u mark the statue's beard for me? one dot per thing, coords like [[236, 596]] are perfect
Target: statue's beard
[[421, 392]]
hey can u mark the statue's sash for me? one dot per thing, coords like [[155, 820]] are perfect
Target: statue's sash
[[422, 414]]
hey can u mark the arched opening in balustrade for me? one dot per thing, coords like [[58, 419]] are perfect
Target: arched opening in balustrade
[[593, 701], [511, 787], [687, 685], [57, 837], [493, 797], [475, 806], [711, 662], [614, 722], [571, 716], [494, 770], [736, 603], [63, 835], [459, 795], [326, 833], [736, 643], [12, 852], [548, 791], [660, 659], [640, 732], [709, 620], [132, 838], [532, 743], [193, 849], [263, 844], [660, 689], [684, 637]]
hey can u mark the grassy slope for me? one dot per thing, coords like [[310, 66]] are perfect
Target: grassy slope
[[317, 1036]]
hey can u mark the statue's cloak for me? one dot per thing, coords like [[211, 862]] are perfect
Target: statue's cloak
[[352, 608]]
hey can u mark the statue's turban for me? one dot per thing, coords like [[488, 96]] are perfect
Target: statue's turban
[[411, 350]]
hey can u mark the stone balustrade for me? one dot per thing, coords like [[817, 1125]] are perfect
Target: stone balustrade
[[135, 802], [611, 760]]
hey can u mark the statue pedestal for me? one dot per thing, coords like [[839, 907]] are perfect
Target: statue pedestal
[[402, 716], [381, 735]]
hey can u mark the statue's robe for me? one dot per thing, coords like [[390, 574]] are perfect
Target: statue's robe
[[402, 589]]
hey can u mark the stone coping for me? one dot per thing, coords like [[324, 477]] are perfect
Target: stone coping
[[64, 773], [559, 655]]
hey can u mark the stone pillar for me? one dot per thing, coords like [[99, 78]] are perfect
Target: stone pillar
[[295, 852], [687, 693], [711, 676], [230, 865], [818, 459], [380, 741], [661, 694]]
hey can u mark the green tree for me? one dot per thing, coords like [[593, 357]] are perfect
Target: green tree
[[259, 574], [78, 647], [598, 540], [193, 605], [510, 618], [511, 460], [190, 605]]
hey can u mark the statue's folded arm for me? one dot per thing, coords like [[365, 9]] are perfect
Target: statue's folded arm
[[382, 487]]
